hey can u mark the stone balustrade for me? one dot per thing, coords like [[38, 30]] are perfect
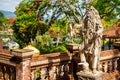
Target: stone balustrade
[[21, 65], [55, 66], [7, 68], [109, 60]]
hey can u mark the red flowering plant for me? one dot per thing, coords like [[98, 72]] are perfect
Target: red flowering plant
[[26, 23]]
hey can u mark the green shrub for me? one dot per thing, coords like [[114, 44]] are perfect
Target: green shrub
[[60, 49], [45, 45]]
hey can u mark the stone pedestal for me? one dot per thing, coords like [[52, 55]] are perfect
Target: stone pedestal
[[73, 47], [90, 76], [23, 68]]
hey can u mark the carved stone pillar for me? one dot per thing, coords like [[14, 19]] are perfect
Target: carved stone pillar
[[61, 70], [109, 66], [23, 68], [52, 73], [115, 63], [33, 74], [105, 66], [43, 73]]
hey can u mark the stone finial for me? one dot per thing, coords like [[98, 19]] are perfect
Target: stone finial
[[22, 54], [23, 68]]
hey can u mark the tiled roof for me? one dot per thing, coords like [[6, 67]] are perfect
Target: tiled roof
[[112, 32]]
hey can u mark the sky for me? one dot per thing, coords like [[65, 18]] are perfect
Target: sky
[[9, 5]]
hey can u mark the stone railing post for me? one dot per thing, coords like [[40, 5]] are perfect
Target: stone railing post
[[23, 68]]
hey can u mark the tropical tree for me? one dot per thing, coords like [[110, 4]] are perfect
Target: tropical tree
[[59, 30], [43, 43], [109, 11], [33, 18], [4, 22], [37, 17], [1, 18], [26, 23], [1, 15]]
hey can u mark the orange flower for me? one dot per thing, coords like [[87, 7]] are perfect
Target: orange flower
[[22, 30]]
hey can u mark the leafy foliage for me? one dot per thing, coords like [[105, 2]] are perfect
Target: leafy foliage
[[35, 18], [108, 9], [26, 24], [44, 44], [4, 22], [1, 15], [59, 30], [106, 24], [2, 18]]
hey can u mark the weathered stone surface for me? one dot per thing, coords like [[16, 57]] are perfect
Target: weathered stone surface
[[23, 68], [90, 76], [90, 47]]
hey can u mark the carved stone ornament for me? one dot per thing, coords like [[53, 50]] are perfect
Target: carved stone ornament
[[90, 47]]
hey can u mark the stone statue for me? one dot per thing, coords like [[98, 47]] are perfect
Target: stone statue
[[90, 47], [74, 29]]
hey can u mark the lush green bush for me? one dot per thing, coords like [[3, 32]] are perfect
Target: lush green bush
[[60, 48], [45, 45], [26, 24], [34, 24]]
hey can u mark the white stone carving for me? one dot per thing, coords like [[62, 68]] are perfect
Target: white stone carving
[[90, 47]]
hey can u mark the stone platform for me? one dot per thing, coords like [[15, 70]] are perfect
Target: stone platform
[[90, 76]]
